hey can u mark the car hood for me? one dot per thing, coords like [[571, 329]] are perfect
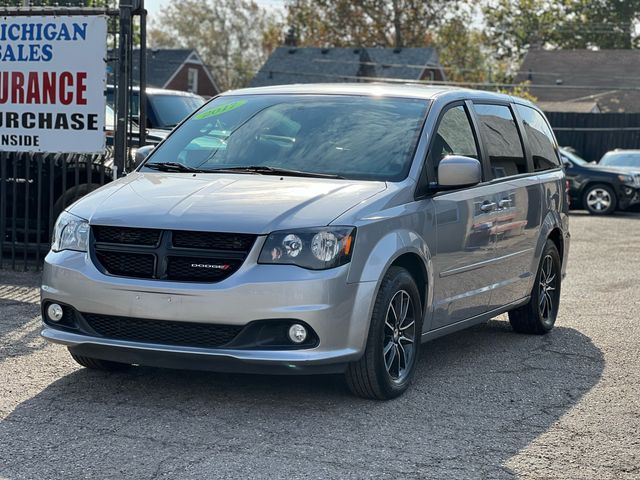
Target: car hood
[[616, 170], [237, 203]]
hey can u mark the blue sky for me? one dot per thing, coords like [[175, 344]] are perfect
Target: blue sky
[[154, 7]]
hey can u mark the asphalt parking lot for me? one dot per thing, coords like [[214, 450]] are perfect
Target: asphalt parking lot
[[486, 403]]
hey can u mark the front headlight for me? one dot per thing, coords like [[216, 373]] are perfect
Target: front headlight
[[313, 248], [70, 233], [625, 178]]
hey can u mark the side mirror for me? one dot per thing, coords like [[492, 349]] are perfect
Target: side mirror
[[459, 171], [141, 154]]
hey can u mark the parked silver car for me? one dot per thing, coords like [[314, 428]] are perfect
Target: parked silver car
[[316, 229]]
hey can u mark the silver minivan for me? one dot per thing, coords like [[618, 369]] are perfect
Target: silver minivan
[[316, 229]]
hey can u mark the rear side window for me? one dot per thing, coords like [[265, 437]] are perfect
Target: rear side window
[[453, 137], [541, 141], [502, 140]]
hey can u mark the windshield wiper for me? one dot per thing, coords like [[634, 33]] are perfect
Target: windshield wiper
[[266, 170], [172, 167]]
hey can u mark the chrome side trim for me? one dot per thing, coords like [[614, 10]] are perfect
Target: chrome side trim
[[482, 264]]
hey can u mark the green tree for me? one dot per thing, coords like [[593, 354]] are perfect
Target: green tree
[[515, 26], [371, 23], [233, 37], [461, 50], [604, 23]]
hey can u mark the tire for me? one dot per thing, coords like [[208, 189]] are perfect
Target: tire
[[379, 376], [71, 195], [599, 199], [539, 315], [97, 364]]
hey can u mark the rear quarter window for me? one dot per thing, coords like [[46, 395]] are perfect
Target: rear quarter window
[[500, 135], [541, 140]]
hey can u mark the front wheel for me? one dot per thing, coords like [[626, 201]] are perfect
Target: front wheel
[[600, 200], [388, 364], [539, 315]]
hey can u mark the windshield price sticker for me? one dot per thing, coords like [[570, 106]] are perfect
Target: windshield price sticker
[[219, 110]]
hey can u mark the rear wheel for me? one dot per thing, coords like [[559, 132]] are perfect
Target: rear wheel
[[388, 364], [98, 364], [600, 200], [539, 315]]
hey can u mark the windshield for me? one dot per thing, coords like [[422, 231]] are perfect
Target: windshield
[[573, 157], [621, 159], [172, 109], [371, 138]]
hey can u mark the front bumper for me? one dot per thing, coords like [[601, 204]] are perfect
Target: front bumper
[[337, 311], [628, 196]]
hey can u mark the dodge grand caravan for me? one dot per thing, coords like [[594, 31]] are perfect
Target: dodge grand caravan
[[316, 229]]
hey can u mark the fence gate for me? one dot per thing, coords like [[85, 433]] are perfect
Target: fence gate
[[36, 187]]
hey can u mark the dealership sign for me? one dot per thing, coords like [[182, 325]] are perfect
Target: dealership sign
[[52, 82]]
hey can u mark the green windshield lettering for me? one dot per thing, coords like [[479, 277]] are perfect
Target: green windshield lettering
[[219, 110]]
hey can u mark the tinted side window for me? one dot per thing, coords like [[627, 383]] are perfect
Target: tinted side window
[[541, 141], [500, 134], [454, 136]]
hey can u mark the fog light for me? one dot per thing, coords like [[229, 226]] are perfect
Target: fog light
[[297, 333], [54, 312]]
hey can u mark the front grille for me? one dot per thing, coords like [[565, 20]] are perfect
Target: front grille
[[212, 240], [637, 179], [139, 265], [177, 255], [162, 332], [127, 236]]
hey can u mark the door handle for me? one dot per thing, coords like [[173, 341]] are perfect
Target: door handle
[[488, 207], [506, 203]]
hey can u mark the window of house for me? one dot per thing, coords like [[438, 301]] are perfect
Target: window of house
[[192, 80], [541, 141], [453, 137], [500, 135]]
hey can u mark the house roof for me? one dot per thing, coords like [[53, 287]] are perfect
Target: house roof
[[316, 65], [163, 64], [606, 77], [574, 107], [403, 63]]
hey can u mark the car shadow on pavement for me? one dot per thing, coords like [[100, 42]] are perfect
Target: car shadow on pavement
[[478, 398]]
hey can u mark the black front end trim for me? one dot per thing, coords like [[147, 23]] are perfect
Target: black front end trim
[[270, 334], [170, 255]]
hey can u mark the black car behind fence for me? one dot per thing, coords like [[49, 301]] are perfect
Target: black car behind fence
[[36, 187]]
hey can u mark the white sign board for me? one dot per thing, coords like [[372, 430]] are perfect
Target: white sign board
[[52, 82]]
